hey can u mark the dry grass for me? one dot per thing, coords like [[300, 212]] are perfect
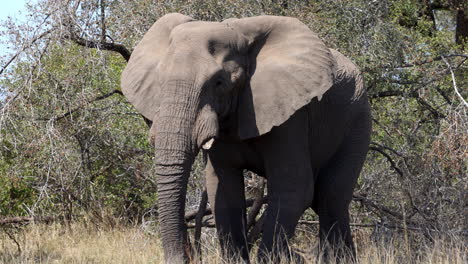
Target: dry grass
[[78, 244], [57, 244]]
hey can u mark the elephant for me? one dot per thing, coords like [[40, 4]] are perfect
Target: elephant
[[263, 94]]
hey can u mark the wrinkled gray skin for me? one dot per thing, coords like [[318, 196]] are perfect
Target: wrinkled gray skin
[[275, 100]]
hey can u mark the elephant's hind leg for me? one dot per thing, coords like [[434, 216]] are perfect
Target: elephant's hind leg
[[334, 189]]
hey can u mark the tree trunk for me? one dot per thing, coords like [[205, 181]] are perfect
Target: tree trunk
[[461, 33]]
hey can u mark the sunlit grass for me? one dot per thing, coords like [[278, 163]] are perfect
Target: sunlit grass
[[58, 244], [80, 244]]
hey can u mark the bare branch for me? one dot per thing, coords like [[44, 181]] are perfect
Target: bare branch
[[207, 223], [101, 97], [192, 214], [34, 40], [375, 225], [444, 95], [257, 205], [374, 205], [12, 237], [431, 109], [256, 231], [387, 148], [25, 220], [411, 94], [103, 21], [392, 163], [387, 94], [430, 60], [198, 221], [454, 81], [102, 46]]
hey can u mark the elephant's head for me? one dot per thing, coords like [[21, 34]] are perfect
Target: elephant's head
[[200, 81]]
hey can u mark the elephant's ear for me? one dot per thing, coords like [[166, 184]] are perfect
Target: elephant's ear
[[139, 81], [289, 66]]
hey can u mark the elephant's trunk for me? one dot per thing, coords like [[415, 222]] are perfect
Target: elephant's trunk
[[175, 152], [173, 169]]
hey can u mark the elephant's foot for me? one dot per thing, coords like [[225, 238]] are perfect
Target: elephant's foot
[[338, 252]]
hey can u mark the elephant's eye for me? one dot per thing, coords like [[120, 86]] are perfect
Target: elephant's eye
[[219, 83]]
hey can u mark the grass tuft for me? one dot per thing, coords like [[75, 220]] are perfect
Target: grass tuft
[[80, 244]]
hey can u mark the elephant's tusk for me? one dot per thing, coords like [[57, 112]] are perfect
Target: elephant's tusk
[[208, 144]]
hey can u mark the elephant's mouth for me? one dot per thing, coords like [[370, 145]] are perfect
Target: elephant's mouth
[[208, 143], [206, 128]]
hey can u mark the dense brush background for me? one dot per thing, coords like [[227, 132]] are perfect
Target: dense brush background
[[75, 156]]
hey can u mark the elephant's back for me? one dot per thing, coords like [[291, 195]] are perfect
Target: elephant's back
[[348, 80]]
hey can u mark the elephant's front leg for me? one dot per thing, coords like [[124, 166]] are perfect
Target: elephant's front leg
[[225, 187], [290, 184], [290, 192]]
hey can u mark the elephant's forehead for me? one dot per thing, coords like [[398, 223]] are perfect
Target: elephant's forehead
[[204, 32]]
